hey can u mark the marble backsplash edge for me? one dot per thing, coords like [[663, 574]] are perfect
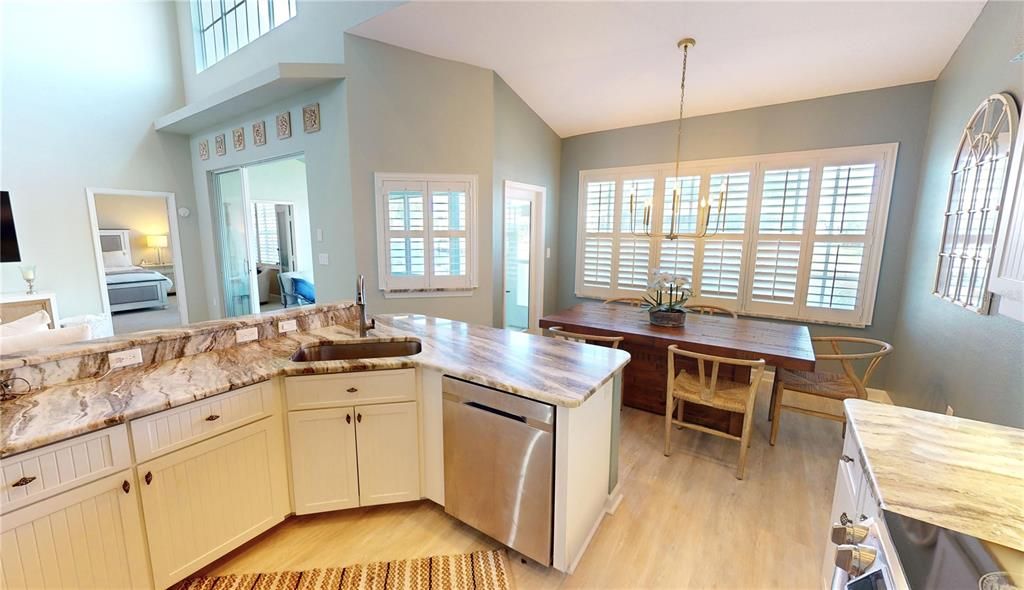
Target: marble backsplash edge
[[46, 368]]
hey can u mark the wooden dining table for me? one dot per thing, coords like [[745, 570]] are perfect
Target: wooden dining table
[[644, 382]]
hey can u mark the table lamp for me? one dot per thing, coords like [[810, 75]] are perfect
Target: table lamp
[[159, 242]]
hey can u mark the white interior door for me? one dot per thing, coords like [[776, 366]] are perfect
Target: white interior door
[[523, 241]]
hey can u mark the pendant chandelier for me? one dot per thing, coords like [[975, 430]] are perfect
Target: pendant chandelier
[[704, 228]]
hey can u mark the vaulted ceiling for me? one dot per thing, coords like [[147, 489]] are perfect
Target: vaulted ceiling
[[587, 67]]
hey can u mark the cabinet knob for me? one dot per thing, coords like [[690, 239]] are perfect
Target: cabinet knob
[[348, 418], [846, 459], [855, 559], [148, 477], [352, 389], [126, 486], [24, 481], [359, 418], [212, 417]]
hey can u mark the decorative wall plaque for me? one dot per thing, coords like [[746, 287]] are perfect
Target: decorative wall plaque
[[204, 149], [259, 133], [311, 118], [220, 144], [238, 138], [284, 125]]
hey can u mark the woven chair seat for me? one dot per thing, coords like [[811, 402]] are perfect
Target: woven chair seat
[[821, 383], [729, 395]]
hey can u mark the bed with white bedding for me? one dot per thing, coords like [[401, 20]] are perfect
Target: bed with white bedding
[[129, 286]]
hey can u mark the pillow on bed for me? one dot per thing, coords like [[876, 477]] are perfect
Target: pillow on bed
[[116, 258], [304, 289], [44, 339], [35, 322]]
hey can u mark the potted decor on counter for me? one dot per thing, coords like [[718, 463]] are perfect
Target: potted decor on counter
[[666, 296]]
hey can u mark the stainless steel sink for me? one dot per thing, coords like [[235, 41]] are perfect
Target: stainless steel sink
[[342, 351]]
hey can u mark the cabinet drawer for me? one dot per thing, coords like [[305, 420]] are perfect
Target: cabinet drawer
[[34, 475], [311, 392], [164, 432]]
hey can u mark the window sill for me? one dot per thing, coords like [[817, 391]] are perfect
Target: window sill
[[427, 293]]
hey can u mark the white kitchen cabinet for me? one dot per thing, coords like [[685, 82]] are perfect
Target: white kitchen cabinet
[[206, 499], [323, 451], [88, 537], [844, 511], [387, 443]]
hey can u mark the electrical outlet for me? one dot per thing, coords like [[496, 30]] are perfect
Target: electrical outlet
[[287, 326], [949, 410], [125, 358], [247, 335]]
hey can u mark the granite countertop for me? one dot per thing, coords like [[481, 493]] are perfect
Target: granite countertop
[[545, 369], [951, 472]]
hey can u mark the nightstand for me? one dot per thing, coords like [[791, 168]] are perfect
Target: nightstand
[[167, 270]]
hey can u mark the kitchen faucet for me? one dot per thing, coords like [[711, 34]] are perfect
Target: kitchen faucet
[[364, 325]]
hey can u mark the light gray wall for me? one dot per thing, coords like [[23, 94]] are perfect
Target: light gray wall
[[945, 354], [82, 84], [525, 150], [409, 112], [898, 114], [313, 35], [327, 183]]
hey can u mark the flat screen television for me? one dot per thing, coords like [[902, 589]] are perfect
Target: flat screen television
[[9, 251]]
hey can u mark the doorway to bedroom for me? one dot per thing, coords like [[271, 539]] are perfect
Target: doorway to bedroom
[[265, 252], [138, 259]]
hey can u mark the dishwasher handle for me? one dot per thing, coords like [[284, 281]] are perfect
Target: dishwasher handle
[[501, 413], [528, 421]]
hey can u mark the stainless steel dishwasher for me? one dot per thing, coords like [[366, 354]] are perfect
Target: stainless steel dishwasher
[[499, 465]]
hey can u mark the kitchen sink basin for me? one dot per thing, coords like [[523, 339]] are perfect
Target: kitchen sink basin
[[342, 351]]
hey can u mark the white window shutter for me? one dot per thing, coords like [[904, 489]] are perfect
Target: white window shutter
[[776, 270], [632, 270], [835, 275], [597, 262], [720, 275]]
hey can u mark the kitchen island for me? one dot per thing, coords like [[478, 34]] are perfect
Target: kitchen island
[[200, 397], [939, 496]]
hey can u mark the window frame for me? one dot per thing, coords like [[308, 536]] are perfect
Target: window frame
[[883, 156], [199, 28], [428, 285]]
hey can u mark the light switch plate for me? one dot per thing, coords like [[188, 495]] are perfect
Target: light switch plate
[[125, 358], [319, 235], [287, 326], [247, 335], [322, 258]]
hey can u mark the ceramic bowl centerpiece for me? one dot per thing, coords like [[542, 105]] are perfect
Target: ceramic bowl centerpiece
[[666, 296]]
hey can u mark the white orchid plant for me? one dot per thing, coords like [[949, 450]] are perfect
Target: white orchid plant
[[668, 292]]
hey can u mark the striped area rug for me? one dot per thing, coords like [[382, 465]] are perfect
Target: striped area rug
[[483, 570]]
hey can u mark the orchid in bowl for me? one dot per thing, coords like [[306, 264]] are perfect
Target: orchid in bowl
[[665, 298]]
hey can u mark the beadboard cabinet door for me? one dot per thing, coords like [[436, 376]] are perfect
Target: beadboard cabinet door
[[323, 451], [202, 501], [88, 537], [389, 455]]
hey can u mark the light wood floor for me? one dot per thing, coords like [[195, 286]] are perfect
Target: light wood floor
[[684, 522]]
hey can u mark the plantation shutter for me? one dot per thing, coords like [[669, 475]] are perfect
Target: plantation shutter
[[405, 234], [722, 255], [449, 234], [839, 247], [634, 251], [780, 230], [599, 225], [266, 232]]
